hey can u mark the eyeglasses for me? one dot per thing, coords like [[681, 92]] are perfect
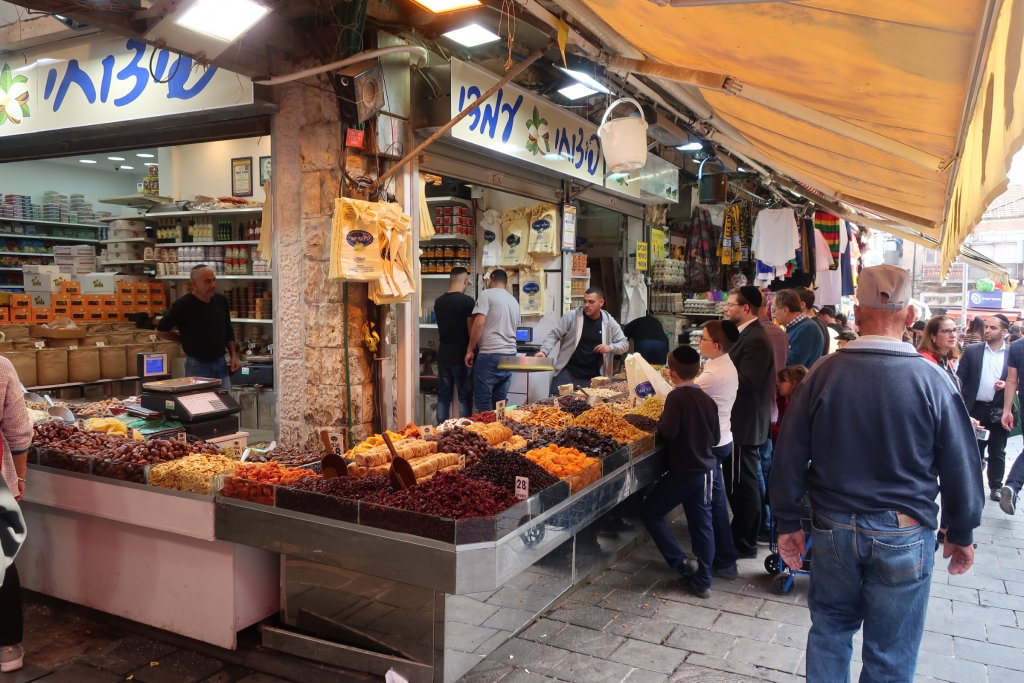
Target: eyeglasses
[[948, 331], [705, 338]]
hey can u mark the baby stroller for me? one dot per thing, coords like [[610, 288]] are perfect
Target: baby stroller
[[785, 576]]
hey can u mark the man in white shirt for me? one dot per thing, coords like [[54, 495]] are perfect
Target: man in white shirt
[[982, 373]]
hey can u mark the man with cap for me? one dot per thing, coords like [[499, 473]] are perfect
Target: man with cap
[[751, 416], [873, 474], [689, 424], [982, 373]]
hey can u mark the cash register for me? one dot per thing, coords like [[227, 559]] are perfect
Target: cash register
[[204, 408]]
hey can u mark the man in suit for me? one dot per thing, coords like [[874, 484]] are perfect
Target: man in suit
[[751, 416], [982, 373]]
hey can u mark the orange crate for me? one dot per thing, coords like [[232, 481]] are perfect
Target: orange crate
[[71, 287], [60, 311], [92, 300], [77, 300], [141, 288], [157, 288], [41, 315], [93, 313], [22, 314], [125, 301], [5, 314], [141, 300], [108, 300], [125, 288], [60, 301], [21, 300], [111, 313], [78, 313]]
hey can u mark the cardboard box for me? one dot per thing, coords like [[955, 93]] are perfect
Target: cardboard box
[[92, 300], [20, 300], [77, 300], [157, 288], [125, 287], [5, 314], [111, 314], [108, 300], [71, 287], [141, 300], [61, 311], [60, 301], [43, 282], [78, 313], [125, 302], [36, 268], [21, 315], [99, 283], [41, 316], [93, 314], [141, 288], [41, 299]]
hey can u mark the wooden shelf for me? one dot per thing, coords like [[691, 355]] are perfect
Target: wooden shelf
[[70, 385], [450, 200], [468, 239], [126, 263], [125, 240], [428, 326], [11, 269], [203, 212], [435, 276]]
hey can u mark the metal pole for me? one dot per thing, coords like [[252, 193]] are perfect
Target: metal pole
[[963, 292]]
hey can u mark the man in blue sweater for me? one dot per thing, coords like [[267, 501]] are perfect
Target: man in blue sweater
[[873, 462], [805, 339]]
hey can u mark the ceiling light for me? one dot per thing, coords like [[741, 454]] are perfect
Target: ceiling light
[[741, 169], [116, 158], [691, 147], [127, 168], [472, 35], [442, 6], [145, 155], [222, 19], [87, 161], [576, 91], [151, 163], [586, 79], [39, 62]]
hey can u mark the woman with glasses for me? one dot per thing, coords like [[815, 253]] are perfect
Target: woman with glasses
[[938, 344]]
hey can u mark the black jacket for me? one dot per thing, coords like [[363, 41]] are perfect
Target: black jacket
[[755, 365], [969, 372]]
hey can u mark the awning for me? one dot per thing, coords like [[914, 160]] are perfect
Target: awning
[[908, 110]]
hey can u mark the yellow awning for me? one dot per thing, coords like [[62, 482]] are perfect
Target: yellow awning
[[911, 110]]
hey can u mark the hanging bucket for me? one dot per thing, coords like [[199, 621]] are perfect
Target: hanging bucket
[[623, 141]]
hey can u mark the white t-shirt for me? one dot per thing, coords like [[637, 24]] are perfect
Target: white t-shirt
[[720, 381], [502, 311], [776, 237]]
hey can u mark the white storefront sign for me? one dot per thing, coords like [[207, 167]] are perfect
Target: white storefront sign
[[108, 81]]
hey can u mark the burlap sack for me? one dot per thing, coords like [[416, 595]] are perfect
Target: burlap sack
[[25, 343], [146, 336], [24, 363], [120, 338], [172, 349], [131, 352], [94, 339], [15, 332], [51, 367], [84, 364], [113, 362]]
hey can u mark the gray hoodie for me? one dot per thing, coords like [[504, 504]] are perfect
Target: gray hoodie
[[568, 331]]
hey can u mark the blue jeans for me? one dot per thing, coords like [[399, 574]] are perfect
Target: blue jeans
[[490, 384], [653, 351], [450, 377], [867, 570], [566, 377], [216, 369], [764, 468], [725, 547], [1015, 480], [690, 490]]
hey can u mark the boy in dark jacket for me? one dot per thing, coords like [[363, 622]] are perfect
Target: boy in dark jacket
[[689, 427]]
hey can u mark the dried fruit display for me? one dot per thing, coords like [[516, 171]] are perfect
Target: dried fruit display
[[573, 405], [282, 455], [548, 417], [513, 443], [643, 422], [609, 424], [128, 461], [501, 469], [459, 440], [372, 442], [484, 417], [587, 441], [567, 463], [517, 414], [494, 432], [452, 495], [652, 407], [256, 482], [334, 498], [193, 473]]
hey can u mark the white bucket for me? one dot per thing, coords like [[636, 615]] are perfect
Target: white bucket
[[623, 141]]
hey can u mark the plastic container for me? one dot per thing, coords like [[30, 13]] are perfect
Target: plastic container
[[623, 141]]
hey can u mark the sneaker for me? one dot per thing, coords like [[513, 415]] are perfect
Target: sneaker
[[746, 554], [727, 573], [702, 593], [995, 495], [11, 658], [689, 568], [764, 538], [1008, 500]]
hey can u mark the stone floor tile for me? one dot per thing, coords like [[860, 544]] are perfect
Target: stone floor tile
[[591, 594], [686, 614], [523, 676], [641, 628], [636, 653], [28, 673], [940, 606], [77, 673], [129, 654], [691, 673], [767, 655], [970, 580], [183, 666], [701, 640], [997, 674], [580, 667], [792, 636], [632, 603], [590, 616], [634, 582], [264, 678], [735, 666], [1006, 635], [585, 641], [1014, 588], [645, 676], [989, 653], [725, 601], [961, 593], [232, 674], [746, 627], [631, 564], [798, 615], [950, 669], [1003, 600], [983, 615], [937, 643], [487, 671], [536, 657], [542, 630]]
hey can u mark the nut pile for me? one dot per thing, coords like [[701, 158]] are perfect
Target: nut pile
[[464, 442], [609, 424], [587, 441], [501, 469], [652, 407], [573, 405], [193, 473], [641, 422], [548, 417]]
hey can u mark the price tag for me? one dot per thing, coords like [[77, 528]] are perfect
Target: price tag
[[522, 488], [152, 337], [72, 348], [499, 409], [40, 345], [427, 430], [182, 437], [641, 257], [565, 389], [99, 343]]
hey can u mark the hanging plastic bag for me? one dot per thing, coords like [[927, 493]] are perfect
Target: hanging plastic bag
[[531, 292], [492, 238], [515, 228], [543, 230], [644, 380], [355, 241]]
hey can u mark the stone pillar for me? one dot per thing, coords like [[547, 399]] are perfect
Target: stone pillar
[[311, 320]]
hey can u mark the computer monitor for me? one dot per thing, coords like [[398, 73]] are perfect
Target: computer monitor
[[524, 334], [153, 365]]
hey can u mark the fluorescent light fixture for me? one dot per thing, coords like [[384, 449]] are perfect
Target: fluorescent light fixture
[[586, 79], [87, 161], [127, 168], [553, 156], [442, 6], [472, 35], [222, 19], [39, 62], [116, 158], [151, 163], [691, 147], [145, 155], [741, 169], [576, 91]]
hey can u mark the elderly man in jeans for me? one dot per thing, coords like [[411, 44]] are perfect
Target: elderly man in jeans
[[872, 473]]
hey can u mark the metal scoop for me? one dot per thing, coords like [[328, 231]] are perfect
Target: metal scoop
[[62, 414]]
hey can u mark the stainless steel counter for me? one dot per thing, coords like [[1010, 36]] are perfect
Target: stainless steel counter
[[430, 610]]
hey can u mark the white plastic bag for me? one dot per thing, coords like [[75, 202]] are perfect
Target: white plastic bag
[[491, 226], [644, 380], [531, 292]]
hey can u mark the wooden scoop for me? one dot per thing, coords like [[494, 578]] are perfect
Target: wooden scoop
[[400, 473]]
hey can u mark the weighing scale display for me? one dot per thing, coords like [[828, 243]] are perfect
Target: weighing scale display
[[202, 403], [154, 364]]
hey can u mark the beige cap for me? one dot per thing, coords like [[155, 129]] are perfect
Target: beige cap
[[885, 287]]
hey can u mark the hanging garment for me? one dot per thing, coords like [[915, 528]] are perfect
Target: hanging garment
[[855, 254], [730, 248], [702, 268], [830, 283], [634, 293], [829, 226], [426, 213], [776, 236], [765, 274], [845, 265]]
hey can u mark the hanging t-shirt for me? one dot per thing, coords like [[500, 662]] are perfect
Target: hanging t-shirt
[[776, 237], [829, 227], [830, 283], [585, 362]]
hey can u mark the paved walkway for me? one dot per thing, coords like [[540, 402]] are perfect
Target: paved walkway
[[633, 624]]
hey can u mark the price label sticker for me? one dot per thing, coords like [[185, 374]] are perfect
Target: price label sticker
[[427, 430], [152, 337], [499, 410], [99, 343], [182, 437], [40, 345], [565, 389], [522, 488]]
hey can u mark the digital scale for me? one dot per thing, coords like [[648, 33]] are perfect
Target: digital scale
[[199, 403]]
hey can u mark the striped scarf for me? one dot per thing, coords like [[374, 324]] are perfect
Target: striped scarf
[[829, 227]]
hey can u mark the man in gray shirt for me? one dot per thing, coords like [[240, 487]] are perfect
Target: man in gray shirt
[[493, 337]]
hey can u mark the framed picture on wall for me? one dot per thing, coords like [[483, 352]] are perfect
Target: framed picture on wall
[[264, 170], [241, 177]]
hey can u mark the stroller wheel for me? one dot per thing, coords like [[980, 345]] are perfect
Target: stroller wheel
[[773, 564], [783, 583]]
